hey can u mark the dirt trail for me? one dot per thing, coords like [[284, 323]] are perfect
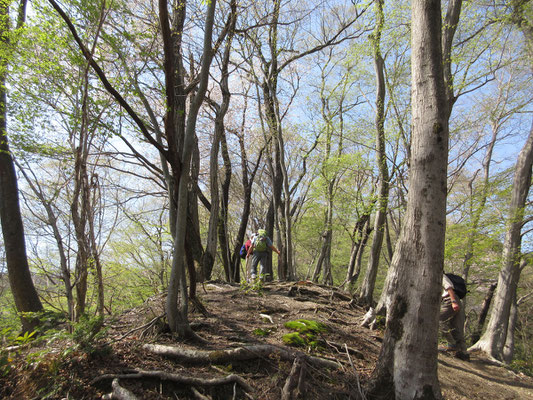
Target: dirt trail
[[233, 317]]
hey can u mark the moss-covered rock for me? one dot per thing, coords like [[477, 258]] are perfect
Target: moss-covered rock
[[306, 333]]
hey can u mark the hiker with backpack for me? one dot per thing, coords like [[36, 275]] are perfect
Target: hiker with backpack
[[261, 244], [452, 315]]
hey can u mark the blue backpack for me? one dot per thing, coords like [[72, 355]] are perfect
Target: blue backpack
[[243, 252]]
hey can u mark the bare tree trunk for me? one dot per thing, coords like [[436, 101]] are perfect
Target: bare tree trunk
[[360, 236], [476, 214], [177, 299], [224, 210], [193, 240], [369, 282], [407, 365], [247, 181], [324, 259], [493, 340], [508, 348], [52, 222], [483, 313], [220, 113], [80, 205]]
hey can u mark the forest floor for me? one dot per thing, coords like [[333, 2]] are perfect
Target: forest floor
[[335, 366]]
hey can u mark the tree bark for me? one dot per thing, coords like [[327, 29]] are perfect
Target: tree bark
[[219, 135], [20, 280], [492, 342], [369, 282], [177, 298], [483, 313], [407, 365]]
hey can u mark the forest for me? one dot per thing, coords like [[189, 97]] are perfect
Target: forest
[[378, 143]]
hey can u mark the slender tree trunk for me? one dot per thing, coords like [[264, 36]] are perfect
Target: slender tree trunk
[[247, 181], [483, 313], [52, 222], [324, 259], [224, 210], [493, 340], [407, 365], [369, 282], [80, 205], [476, 214], [177, 299], [358, 261], [219, 131]]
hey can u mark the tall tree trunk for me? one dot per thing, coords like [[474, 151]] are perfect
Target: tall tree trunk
[[177, 298], [407, 365], [220, 114], [369, 282], [476, 214], [449, 28], [324, 259], [224, 210], [493, 340], [20, 281]]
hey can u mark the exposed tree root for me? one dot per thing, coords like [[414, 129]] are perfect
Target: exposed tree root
[[185, 380], [236, 354], [119, 393], [295, 384]]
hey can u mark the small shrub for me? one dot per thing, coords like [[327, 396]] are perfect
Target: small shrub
[[255, 286], [87, 334]]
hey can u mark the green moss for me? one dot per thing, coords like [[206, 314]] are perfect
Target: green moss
[[263, 332], [304, 325], [306, 333], [294, 339]]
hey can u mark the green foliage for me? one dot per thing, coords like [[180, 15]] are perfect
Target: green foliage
[[263, 332], [255, 286], [87, 333], [25, 338], [5, 363]]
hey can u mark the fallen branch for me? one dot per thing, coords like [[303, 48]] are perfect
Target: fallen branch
[[361, 392], [342, 347], [185, 380], [147, 326], [236, 354]]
